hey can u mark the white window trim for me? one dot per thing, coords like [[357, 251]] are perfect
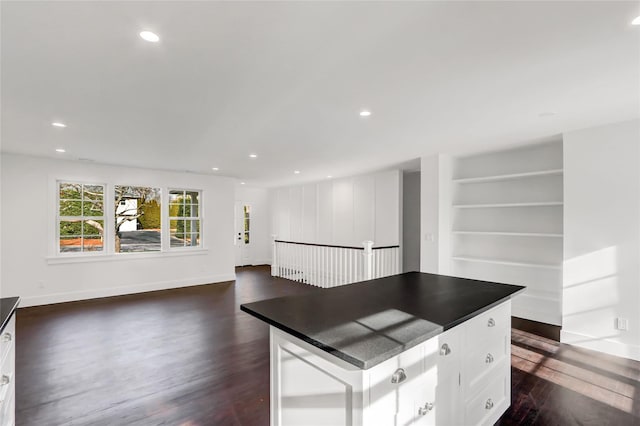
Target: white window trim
[[108, 254], [110, 257], [169, 218], [56, 241]]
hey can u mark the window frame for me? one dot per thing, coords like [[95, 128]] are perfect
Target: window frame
[[169, 218], [59, 218], [114, 218]]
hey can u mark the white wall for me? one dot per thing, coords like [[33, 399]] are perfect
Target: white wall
[[411, 221], [342, 211], [435, 214], [602, 238], [258, 199], [31, 270]]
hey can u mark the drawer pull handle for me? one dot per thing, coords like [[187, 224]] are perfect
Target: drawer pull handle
[[445, 350], [424, 410], [5, 380], [399, 376], [489, 404], [7, 337], [491, 323], [489, 359]]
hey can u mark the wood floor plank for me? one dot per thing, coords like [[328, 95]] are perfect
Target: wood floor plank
[[190, 357]]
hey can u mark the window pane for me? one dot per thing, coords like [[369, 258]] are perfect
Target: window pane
[[184, 232], [70, 228], [92, 243], [138, 219], [93, 192], [192, 197], [92, 208], [93, 228], [70, 208], [70, 244], [81, 212], [70, 191]]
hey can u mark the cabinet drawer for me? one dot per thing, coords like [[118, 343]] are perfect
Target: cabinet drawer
[[7, 409], [396, 384], [450, 351], [7, 387], [480, 363], [488, 404], [488, 326], [7, 337]]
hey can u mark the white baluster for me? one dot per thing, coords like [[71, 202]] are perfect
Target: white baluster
[[367, 260]]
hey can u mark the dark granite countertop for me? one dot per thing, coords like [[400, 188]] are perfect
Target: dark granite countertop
[[8, 306], [369, 322]]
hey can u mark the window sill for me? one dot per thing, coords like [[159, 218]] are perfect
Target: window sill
[[56, 260]]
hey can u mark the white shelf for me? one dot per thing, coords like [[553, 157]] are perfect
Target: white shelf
[[484, 206], [507, 263], [510, 234], [509, 176]]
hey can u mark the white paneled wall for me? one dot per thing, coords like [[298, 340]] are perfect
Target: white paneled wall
[[344, 211]]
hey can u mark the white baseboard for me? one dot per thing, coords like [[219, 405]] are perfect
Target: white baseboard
[[601, 345], [122, 290], [261, 262]]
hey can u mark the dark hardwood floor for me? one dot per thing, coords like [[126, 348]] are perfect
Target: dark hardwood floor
[[190, 357]]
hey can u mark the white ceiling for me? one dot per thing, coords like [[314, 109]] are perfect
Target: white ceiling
[[287, 81]]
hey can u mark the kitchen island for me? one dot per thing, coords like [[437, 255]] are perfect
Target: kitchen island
[[409, 349]]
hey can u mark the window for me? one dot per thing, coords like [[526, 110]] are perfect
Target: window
[[138, 219], [247, 220], [184, 218], [80, 217]]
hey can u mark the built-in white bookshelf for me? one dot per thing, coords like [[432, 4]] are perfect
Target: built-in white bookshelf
[[507, 224]]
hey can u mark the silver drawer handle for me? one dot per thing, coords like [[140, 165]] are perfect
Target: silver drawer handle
[[399, 376], [7, 337], [491, 323], [489, 359], [445, 350], [489, 404], [424, 410], [5, 380]]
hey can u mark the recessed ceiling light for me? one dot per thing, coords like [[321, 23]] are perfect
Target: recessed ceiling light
[[636, 21], [149, 36], [365, 113], [329, 177], [58, 124], [297, 172], [61, 150], [215, 169], [253, 155], [241, 183]]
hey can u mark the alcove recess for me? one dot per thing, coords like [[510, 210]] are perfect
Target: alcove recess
[[507, 224]]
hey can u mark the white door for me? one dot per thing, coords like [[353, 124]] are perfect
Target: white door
[[243, 233]]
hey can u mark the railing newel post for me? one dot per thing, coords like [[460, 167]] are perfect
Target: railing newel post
[[274, 257]]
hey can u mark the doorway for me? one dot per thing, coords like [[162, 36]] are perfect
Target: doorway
[[243, 233]]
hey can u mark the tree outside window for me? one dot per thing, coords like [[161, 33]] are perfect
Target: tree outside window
[[137, 219], [80, 217], [184, 218]]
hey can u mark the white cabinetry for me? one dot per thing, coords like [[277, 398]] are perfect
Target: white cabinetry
[[7, 369], [461, 376], [507, 224]]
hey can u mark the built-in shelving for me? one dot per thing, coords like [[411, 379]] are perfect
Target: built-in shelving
[[501, 205], [506, 224], [507, 262], [509, 176], [511, 234]]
